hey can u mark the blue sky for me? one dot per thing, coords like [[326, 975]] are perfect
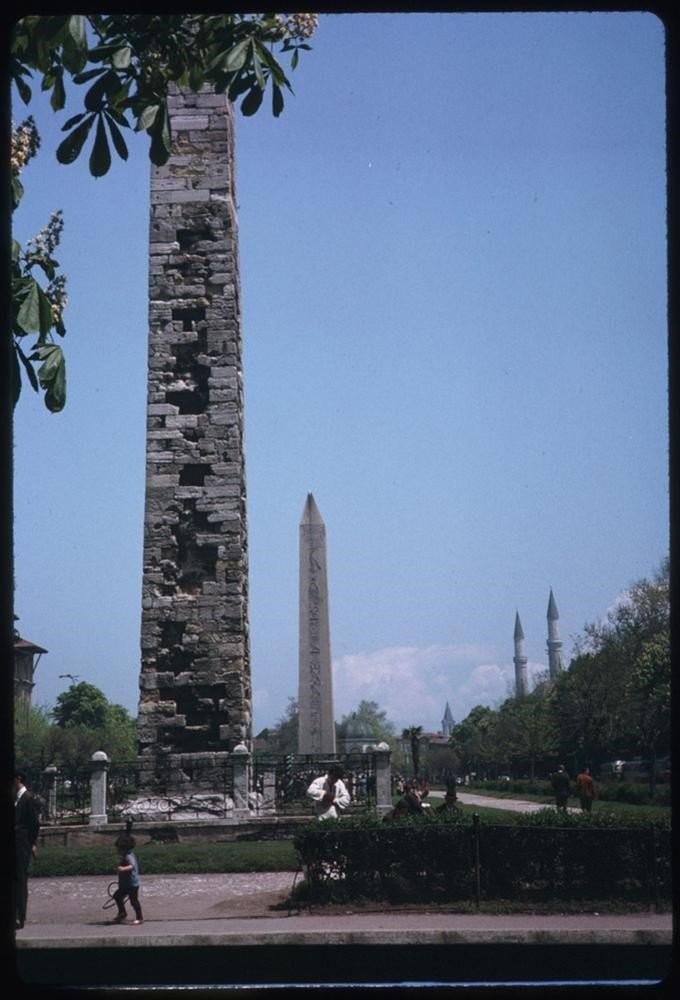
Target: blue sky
[[453, 270]]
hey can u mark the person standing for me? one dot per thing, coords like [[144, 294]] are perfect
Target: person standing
[[585, 789], [561, 787], [26, 830], [128, 880], [329, 793]]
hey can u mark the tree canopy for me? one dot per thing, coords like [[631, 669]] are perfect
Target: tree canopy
[[613, 701], [81, 705], [82, 721]]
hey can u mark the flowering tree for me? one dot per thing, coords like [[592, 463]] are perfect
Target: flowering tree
[[127, 64], [36, 311]]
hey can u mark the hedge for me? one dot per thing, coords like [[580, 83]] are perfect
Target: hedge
[[551, 857]]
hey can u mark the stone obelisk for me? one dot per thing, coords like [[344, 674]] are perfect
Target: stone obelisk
[[195, 690], [315, 692], [554, 641], [520, 660]]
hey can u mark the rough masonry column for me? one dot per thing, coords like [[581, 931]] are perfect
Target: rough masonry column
[[195, 692]]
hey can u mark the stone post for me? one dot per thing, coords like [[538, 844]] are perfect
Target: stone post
[[241, 776], [383, 779], [50, 773], [99, 764], [268, 804]]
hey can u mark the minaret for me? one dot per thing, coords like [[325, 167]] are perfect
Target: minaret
[[520, 661], [315, 692], [447, 722], [195, 693], [554, 641]]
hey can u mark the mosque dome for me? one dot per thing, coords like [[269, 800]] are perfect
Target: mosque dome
[[358, 736]]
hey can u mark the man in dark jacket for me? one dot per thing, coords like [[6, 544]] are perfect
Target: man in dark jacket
[[561, 787], [26, 827]]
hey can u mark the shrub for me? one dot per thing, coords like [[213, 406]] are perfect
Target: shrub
[[536, 858]]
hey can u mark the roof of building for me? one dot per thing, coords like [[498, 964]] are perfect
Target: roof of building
[[24, 646]]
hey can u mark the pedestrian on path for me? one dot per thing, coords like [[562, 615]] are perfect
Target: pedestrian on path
[[26, 830], [128, 880], [561, 784], [585, 789]]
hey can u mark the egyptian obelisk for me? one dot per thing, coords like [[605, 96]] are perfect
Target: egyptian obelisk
[[315, 693], [195, 689]]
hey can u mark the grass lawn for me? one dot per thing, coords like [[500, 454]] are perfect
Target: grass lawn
[[624, 811], [170, 859]]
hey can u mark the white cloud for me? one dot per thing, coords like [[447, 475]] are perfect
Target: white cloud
[[412, 684]]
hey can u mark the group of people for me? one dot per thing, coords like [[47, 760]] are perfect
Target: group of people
[[585, 788]]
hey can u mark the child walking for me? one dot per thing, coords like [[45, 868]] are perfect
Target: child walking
[[128, 880]]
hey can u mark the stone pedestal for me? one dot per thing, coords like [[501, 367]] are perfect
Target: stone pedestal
[[383, 779], [50, 773], [241, 777]]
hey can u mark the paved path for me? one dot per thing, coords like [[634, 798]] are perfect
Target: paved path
[[203, 908], [511, 805], [226, 929]]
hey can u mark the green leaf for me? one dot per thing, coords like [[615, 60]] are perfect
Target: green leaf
[[236, 58], [32, 378], [100, 157], [58, 98], [17, 190], [252, 101], [196, 76], [73, 121], [257, 66], [94, 98], [277, 100], [35, 312], [117, 136], [16, 378], [89, 74], [77, 29], [69, 149], [52, 376], [147, 117], [240, 85], [121, 57], [23, 89], [161, 138], [74, 48]]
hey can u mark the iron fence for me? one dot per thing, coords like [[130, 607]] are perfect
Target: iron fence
[[280, 781]]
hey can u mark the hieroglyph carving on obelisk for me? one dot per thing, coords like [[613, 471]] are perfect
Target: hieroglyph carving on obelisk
[[315, 692]]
